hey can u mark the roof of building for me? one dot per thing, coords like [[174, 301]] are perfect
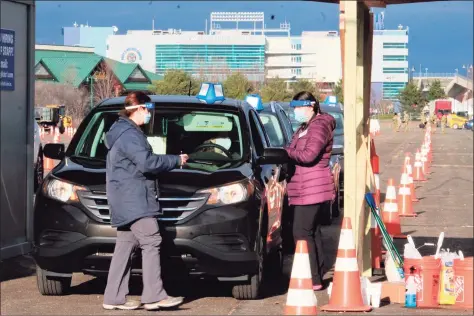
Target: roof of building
[[74, 67]]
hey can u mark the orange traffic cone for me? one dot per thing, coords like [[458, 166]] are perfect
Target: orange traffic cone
[[375, 163], [300, 298], [409, 172], [404, 198], [47, 164], [390, 216], [418, 175], [424, 159], [346, 293]]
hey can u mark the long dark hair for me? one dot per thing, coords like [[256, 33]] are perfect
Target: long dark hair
[[308, 96]]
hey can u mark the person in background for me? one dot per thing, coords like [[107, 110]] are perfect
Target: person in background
[[406, 119], [396, 122], [312, 184], [444, 121], [434, 121], [132, 195]]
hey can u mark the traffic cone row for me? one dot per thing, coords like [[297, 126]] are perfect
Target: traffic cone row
[[346, 293]]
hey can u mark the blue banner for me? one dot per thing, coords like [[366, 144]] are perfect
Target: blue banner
[[7, 60]]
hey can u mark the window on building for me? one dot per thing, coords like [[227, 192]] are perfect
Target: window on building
[[296, 59], [391, 90], [395, 57], [296, 71], [296, 46], [395, 45], [389, 70]]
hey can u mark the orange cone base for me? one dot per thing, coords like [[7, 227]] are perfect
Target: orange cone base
[[333, 308], [415, 200], [301, 310], [424, 180]]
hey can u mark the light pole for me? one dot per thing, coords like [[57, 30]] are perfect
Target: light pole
[[412, 72], [468, 69], [91, 87]]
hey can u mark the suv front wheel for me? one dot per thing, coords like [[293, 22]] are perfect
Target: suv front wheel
[[50, 285]]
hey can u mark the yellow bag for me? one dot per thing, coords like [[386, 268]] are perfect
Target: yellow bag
[[447, 294]]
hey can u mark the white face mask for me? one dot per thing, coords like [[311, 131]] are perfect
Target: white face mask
[[224, 142], [302, 115]]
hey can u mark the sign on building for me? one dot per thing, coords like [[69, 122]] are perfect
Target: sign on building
[[7, 60]]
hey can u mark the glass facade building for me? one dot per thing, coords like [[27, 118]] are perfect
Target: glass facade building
[[210, 60]]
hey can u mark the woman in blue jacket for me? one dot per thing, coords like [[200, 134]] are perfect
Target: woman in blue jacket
[[132, 195]]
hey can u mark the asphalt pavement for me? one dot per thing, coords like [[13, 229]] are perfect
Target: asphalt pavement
[[446, 204]]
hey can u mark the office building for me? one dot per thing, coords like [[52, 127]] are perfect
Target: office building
[[259, 52], [88, 36]]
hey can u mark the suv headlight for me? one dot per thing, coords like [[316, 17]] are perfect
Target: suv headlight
[[228, 194], [61, 190]]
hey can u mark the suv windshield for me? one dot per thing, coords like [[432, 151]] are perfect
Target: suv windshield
[[213, 140]]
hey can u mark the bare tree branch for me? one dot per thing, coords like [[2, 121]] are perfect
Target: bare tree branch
[[104, 83]]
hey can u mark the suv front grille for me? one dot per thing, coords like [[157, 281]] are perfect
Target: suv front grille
[[173, 208]]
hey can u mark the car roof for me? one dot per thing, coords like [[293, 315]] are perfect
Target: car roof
[[237, 104], [324, 107]]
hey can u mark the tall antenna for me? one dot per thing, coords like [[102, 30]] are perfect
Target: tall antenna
[[153, 24]]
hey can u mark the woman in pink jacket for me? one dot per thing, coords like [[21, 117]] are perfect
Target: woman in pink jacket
[[312, 184]]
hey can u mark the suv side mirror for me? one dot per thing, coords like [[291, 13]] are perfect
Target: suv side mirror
[[54, 151], [273, 156]]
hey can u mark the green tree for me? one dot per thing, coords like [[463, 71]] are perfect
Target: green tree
[[338, 91], [411, 98], [176, 82], [237, 86], [436, 91], [305, 85], [275, 90]]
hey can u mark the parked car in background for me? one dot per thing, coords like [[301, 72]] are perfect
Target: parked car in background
[[456, 122], [469, 124]]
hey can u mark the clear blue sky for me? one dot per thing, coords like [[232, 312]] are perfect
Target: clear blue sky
[[441, 33]]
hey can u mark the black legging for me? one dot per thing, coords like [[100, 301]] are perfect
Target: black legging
[[307, 226]]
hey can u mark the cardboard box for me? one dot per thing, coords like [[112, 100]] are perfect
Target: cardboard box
[[393, 292]]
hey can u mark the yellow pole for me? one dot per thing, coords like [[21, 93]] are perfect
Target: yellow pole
[[356, 109]]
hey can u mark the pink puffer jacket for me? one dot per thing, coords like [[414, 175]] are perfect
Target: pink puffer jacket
[[310, 151]]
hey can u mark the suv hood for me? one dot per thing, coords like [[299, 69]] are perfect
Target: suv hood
[[91, 174]]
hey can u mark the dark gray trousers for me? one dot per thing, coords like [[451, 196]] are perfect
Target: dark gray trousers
[[145, 234]]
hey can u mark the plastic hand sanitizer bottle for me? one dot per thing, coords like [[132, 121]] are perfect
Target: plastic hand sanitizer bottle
[[410, 288]]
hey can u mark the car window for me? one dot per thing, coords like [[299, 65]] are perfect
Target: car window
[[291, 130], [256, 134], [273, 129], [91, 144], [214, 137]]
